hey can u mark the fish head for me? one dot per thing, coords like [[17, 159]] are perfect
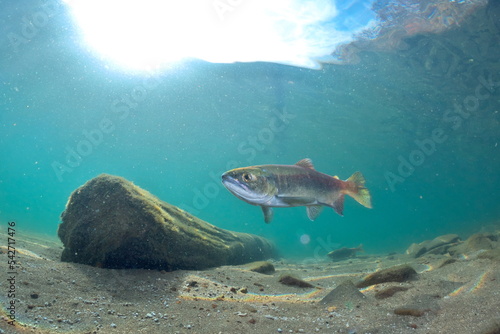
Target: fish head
[[254, 185]]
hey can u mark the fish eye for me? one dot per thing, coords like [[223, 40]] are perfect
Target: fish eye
[[247, 177]]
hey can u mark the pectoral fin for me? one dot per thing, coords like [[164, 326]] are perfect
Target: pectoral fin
[[313, 211], [268, 213]]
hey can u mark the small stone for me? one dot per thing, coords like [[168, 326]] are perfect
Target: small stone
[[113, 325], [250, 308], [293, 281], [399, 273], [344, 293], [446, 262], [415, 312], [419, 305], [492, 328], [262, 267], [389, 292], [34, 295], [244, 290]]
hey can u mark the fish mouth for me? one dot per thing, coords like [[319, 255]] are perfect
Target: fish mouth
[[242, 191], [233, 184]]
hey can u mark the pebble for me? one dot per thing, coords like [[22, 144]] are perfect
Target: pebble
[[113, 325], [415, 312], [400, 273], [294, 281]]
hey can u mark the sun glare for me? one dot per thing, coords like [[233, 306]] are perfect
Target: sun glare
[[149, 35]]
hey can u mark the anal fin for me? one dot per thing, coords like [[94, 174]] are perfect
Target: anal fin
[[338, 205], [313, 211]]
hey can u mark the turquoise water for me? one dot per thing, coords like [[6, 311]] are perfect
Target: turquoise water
[[419, 119]]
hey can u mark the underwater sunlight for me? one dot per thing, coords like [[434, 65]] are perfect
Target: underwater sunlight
[[153, 34]]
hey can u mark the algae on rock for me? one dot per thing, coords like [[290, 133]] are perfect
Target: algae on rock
[[109, 222]]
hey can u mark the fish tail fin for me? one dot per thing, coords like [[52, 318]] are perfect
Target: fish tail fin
[[357, 190], [360, 248]]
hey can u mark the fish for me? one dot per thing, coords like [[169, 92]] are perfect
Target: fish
[[344, 253], [270, 186]]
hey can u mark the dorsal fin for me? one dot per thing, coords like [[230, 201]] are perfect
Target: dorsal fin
[[306, 163]]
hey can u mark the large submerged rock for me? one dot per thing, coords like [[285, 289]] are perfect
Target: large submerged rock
[[109, 222]]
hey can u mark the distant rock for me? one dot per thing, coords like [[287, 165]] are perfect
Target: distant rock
[[446, 262], [262, 267], [439, 245], [344, 253], [109, 222], [345, 292], [480, 241], [476, 242], [399, 273], [492, 254]]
